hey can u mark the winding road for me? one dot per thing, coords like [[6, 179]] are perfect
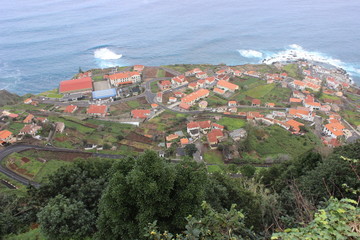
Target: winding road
[[22, 147]]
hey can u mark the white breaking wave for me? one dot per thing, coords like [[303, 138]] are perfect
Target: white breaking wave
[[106, 54], [296, 52], [250, 53]]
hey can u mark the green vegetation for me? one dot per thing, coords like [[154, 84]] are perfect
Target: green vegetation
[[34, 234], [52, 94], [260, 91], [353, 97], [213, 157], [278, 95], [215, 100], [154, 87], [133, 104], [160, 73], [97, 78], [72, 123], [214, 168], [293, 71], [15, 127], [232, 123], [353, 117], [327, 96], [275, 140]]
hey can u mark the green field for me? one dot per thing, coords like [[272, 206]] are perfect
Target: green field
[[52, 94], [133, 104], [72, 123], [326, 96], [15, 127], [353, 117], [232, 123], [260, 91], [279, 96], [154, 87], [160, 73], [275, 140], [49, 168], [214, 168], [215, 101], [213, 157], [292, 70]]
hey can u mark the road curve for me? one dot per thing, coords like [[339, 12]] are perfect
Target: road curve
[[21, 147]]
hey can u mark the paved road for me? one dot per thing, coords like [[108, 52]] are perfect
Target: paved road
[[18, 148]]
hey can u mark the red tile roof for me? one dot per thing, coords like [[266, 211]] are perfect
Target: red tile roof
[[140, 113], [122, 75], [256, 101], [70, 108], [195, 95], [218, 90], [184, 141], [5, 134], [335, 128], [184, 106], [97, 109], [295, 100], [225, 84], [28, 118], [75, 85], [295, 125], [205, 124]]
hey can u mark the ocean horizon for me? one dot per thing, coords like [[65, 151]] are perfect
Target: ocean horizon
[[43, 43]]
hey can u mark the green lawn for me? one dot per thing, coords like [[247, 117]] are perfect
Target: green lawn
[[51, 94], [154, 87], [72, 123], [15, 127], [214, 101], [353, 97], [278, 95], [49, 168], [275, 140], [292, 70], [326, 96], [353, 117], [160, 73], [133, 104], [260, 91], [232, 123], [213, 157]]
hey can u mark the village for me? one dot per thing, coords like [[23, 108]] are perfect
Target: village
[[199, 111]]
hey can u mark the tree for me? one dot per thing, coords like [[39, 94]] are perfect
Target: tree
[[339, 220], [63, 218], [153, 189], [248, 170], [190, 149], [225, 225]]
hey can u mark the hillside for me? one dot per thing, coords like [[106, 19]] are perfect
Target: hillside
[[7, 98]]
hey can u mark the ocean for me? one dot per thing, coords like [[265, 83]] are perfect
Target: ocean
[[45, 42]]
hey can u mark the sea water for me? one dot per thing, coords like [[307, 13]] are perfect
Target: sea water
[[45, 42]]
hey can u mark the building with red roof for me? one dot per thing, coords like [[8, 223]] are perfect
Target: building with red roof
[[270, 105], [140, 113], [201, 75], [184, 141], [179, 81], [30, 129], [28, 118], [5, 136], [302, 113], [232, 103], [294, 126], [256, 102], [80, 85], [227, 86], [70, 109], [219, 91], [139, 68], [164, 85], [298, 85], [334, 129], [184, 106], [295, 100], [195, 96], [159, 97], [124, 78], [28, 101], [213, 138], [97, 110]]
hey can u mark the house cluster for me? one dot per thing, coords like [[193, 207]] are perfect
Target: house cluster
[[100, 90], [200, 86], [96, 110], [31, 126]]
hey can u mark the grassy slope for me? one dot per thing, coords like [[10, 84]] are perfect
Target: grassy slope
[[232, 123]]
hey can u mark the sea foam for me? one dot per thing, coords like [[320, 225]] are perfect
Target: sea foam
[[296, 52], [106, 54], [248, 53]]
